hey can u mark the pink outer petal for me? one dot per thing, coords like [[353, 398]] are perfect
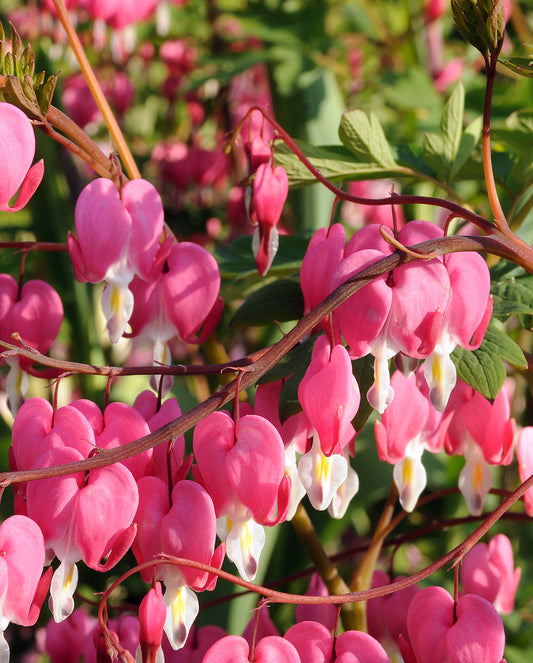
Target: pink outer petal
[[418, 231], [230, 649], [213, 438], [146, 404], [312, 641], [429, 618], [123, 424], [189, 530], [105, 509], [17, 148], [22, 551], [274, 649], [469, 300], [324, 253], [148, 304], [403, 420], [52, 502], [8, 296], [38, 315], [270, 189], [358, 647], [368, 237], [375, 299], [478, 633], [153, 507], [524, 452], [33, 435], [29, 187], [259, 445], [330, 396], [143, 203], [489, 425], [190, 287], [478, 575], [420, 292], [294, 429], [103, 228]]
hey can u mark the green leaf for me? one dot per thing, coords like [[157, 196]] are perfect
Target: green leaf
[[363, 135], [433, 154], [513, 297], [45, 92], [279, 301], [502, 345], [483, 368], [451, 124], [335, 162], [521, 66], [468, 143]]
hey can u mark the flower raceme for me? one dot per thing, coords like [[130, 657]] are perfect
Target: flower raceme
[[420, 309], [17, 149]]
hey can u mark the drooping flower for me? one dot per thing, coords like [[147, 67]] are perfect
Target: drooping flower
[[483, 433], [488, 570], [442, 632], [118, 237], [228, 455], [270, 189]]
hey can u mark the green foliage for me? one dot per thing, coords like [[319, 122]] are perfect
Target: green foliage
[[483, 368]]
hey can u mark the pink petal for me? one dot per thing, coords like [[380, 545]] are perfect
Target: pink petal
[[103, 228]]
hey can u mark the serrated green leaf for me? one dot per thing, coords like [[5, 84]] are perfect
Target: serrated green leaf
[[451, 125], [513, 297], [279, 301], [362, 134], [334, 162], [500, 344], [481, 370]]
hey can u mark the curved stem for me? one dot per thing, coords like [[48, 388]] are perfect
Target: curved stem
[[94, 86], [499, 216]]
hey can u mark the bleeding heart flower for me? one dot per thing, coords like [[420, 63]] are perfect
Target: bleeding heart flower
[[442, 632]]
